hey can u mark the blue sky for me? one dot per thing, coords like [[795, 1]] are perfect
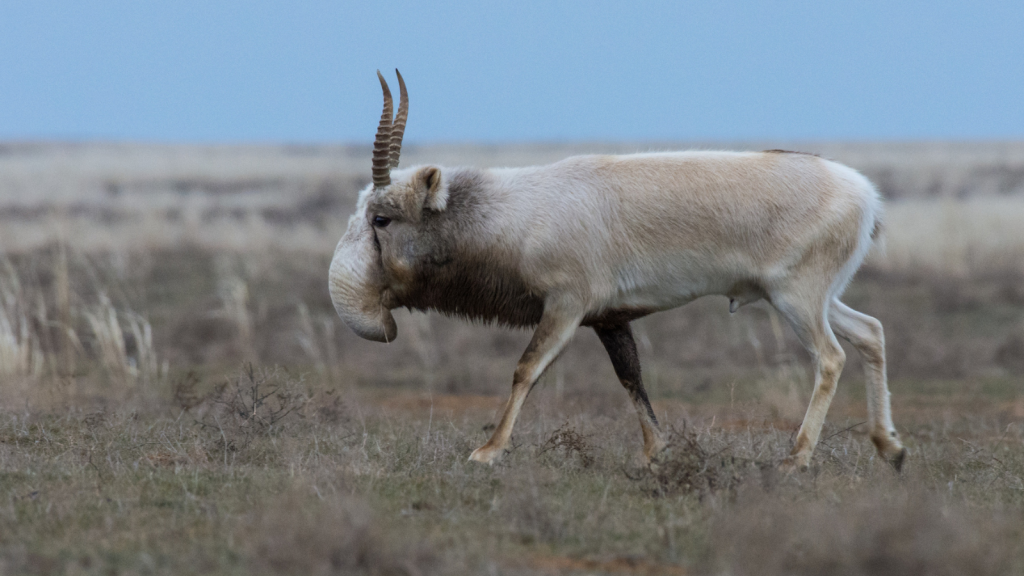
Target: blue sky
[[264, 71]]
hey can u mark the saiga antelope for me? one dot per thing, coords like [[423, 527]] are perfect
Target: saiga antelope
[[602, 240]]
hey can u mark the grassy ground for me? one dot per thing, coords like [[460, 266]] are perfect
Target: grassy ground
[[248, 433], [177, 396], [322, 480]]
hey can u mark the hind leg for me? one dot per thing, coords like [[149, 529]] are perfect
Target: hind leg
[[866, 335], [618, 342], [807, 316]]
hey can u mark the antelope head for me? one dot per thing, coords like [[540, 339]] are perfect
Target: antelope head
[[375, 260]]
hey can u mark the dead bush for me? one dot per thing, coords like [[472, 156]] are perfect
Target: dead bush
[[254, 405], [686, 466], [571, 444]]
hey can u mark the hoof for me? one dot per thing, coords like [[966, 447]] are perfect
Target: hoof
[[486, 455], [890, 449], [896, 461], [652, 451]]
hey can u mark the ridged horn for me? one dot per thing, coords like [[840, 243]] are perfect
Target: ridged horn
[[382, 144], [398, 127]]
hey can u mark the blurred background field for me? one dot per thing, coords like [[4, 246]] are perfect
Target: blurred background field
[[177, 393], [223, 250]]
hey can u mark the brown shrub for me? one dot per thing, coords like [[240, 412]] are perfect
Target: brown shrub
[[570, 443], [686, 466], [256, 404]]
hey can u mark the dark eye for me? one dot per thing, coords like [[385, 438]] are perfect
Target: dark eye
[[381, 221]]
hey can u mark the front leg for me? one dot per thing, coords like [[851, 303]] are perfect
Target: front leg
[[556, 327]]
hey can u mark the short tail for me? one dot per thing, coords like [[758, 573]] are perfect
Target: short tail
[[876, 230]]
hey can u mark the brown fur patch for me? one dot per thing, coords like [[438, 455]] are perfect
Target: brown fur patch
[[780, 151], [802, 444], [477, 289]]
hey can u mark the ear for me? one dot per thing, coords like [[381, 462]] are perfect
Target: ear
[[430, 184]]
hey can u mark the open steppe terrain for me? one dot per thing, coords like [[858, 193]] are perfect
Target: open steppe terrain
[[178, 396]]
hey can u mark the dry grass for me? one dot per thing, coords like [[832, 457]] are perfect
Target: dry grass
[[144, 488], [20, 350], [966, 237], [177, 396]]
